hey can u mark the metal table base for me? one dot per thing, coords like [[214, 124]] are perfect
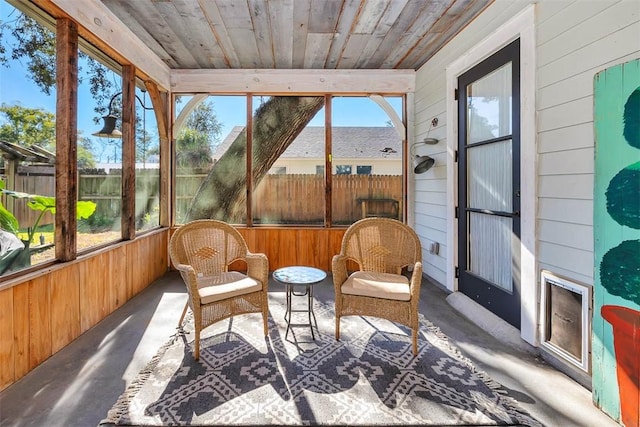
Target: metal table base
[[299, 276]]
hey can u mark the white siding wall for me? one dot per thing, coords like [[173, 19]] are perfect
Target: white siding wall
[[574, 40]]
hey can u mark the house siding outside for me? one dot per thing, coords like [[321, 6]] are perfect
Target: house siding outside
[[352, 146], [574, 40]]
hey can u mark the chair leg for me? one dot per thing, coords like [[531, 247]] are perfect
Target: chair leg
[[265, 324], [414, 335], [196, 343], [337, 328], [184, 312]]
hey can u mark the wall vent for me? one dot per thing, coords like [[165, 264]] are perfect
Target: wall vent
[[566, 319]]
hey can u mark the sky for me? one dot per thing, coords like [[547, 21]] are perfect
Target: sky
[[16, 88]]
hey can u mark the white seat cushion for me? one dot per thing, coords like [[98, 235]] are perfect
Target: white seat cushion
[[225, 285], [378, 285]]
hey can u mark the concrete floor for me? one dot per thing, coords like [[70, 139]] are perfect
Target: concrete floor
[[78, 385]]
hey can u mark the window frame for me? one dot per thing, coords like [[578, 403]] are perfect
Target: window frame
[[328, 156]]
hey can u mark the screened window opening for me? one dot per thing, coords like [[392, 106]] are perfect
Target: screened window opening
[[284, 141]]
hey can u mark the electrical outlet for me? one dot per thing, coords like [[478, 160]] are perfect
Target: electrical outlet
[[434, 248]]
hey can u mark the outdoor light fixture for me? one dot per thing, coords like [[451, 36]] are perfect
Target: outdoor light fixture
[[109, 128], [421, 164]]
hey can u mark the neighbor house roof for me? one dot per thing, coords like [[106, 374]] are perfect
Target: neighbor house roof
[[347, 142]]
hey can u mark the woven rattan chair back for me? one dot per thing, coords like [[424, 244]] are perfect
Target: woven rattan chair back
[[381, 244], [209, 246]]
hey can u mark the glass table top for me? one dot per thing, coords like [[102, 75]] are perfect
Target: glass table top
[[299, 275]]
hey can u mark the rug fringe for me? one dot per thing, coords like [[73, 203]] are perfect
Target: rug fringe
[[522, 416]]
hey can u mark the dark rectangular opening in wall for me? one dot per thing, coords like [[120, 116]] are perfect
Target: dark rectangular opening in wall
[[565, 320]]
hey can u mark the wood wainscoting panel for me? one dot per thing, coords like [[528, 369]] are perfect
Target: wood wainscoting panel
[[92, 291], [65, 307], [138, 271], [117, 278], [313, 247], [44, 313], [149, 261], [39, 320], [7, 349], [21, 329]]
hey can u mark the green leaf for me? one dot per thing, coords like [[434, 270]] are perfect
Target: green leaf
[[42, 203], [85, 209], [8, 222]]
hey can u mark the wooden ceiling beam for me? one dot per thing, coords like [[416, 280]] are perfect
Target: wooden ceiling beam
[[103, 29], [290, 82]]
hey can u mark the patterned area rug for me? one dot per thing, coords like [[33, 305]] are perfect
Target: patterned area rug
[[369, 377]]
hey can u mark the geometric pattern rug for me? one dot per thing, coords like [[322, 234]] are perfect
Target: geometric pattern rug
[[369, 377]]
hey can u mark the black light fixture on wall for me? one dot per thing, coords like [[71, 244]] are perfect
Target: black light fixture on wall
[[109, 127], [421, 164]]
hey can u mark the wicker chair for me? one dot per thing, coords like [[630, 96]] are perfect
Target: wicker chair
[[382, 248], [202, 252]]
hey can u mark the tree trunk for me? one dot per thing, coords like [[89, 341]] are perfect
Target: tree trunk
[[276, 124]]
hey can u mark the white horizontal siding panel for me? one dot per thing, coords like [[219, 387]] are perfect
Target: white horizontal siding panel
[[432, 197], [567, 90], [546, 10], [557, 256], [438, 171], [580, 24], [428, 112], [587, 279], [424, 126], [427, 223], [578, 161], [577, 236], [568, 138], [430, 85], [566, 186], [436, 262], [432, 222], [430, 233], [564, 115], [431, 210], [436, 275], [428, 102], [430, 107], [432, 185], [592, 56], [577, 211], [438, 154]]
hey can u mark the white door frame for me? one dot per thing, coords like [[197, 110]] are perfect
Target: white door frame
[[522, 26]]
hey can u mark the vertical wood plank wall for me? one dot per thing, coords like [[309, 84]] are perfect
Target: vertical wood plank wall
[[313, 247], [41, 315]]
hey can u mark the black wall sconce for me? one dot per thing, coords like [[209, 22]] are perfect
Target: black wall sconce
[[109, 127]]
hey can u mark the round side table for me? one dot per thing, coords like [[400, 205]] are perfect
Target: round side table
[[299, 276]]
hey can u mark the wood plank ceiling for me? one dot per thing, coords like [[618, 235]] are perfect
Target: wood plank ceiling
[[295, 34]]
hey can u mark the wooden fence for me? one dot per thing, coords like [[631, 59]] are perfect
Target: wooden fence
[[278, 199]]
